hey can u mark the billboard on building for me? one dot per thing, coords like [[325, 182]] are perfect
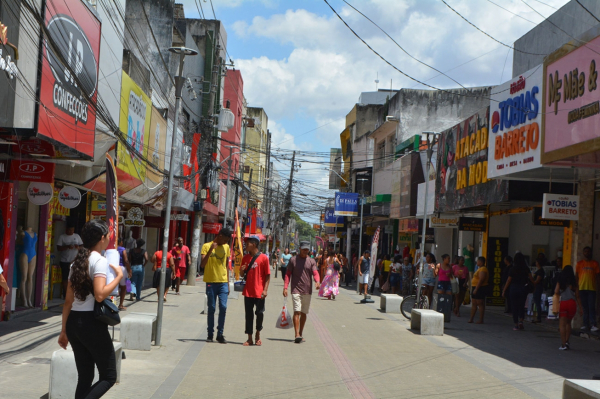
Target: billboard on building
[[462, 162], [411, 175], [69, 79], [515, 126], [572, 107], [9, 41], [157, 137], [134, 121]]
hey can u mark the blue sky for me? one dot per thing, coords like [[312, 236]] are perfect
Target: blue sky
[[306, 69]]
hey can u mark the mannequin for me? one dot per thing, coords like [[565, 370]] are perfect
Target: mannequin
[[27, 263], [130, 241]]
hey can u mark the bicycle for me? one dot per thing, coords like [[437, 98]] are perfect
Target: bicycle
[[410, 302]]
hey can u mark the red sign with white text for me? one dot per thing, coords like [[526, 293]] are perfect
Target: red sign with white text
[[211, 228], [67, 111], [30, 170]]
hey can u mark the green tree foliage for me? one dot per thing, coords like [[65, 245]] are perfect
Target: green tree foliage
[[305, 230]]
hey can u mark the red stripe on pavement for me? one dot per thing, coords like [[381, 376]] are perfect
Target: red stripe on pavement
[[358, 389]]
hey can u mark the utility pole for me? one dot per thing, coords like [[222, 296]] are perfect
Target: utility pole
[[207, 133], [288, 201], [275, 230]]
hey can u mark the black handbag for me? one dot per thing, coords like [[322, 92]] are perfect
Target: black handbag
[[107, 312]]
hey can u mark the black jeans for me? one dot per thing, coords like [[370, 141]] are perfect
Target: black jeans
[[537, 300], [518, 296], [283, 272], [249, 304], [92, 347]]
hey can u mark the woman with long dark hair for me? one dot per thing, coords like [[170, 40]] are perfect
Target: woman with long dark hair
[[89, 337], [517, 281], [568, 290]]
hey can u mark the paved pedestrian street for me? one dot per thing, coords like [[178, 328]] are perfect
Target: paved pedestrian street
[[352, 350]]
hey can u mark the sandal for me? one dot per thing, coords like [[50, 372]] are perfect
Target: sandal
[[298, 340], [122, 308]]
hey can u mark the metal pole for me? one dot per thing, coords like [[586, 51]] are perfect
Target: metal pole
[[421, 267], [163, 268], [227, 191], [360, 242], [335, 235]]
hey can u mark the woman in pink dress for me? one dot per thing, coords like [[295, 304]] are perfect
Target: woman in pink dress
[[330, 286]]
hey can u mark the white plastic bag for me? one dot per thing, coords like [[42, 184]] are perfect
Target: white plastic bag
[[284, 321]]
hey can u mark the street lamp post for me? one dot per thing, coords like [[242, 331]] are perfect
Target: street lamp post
[[430, 144], [179, 80], [362, 198]]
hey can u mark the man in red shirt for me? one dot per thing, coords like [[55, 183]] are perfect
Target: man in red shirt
[[256, 268], [181, 258], [157, 260]]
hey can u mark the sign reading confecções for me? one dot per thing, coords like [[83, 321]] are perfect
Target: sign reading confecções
[[515, 135], [31, 170], [560, 206]]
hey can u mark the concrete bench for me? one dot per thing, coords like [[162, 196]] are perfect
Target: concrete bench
[[138, 330], [428, 322], [390, 303], [63, 373], [581, 389]]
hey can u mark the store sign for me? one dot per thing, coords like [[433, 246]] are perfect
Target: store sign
[[66, 113], [135, 217], [211, 228], [472, 224], [572, 108], [316, 226], [6, 63], [69, 197], [346, 204], [539, 221], [389, 229], [30, 170], [184, 217], [4, 169], [34, 147], [443, 221], [405, 238], [497, 250], [515, 135], [40, 193], [559, 206], [462, 160], [409, 225], [222, 197], [331, 220]]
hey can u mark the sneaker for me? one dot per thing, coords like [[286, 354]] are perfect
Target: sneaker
[[594, 329], [209, 338], [583, 328], [563, 348], [221, 339], [568, 345]]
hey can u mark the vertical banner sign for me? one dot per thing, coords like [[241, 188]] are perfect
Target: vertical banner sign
[[568, 244], [112, 215], [237, 247], [346, 204], [48, 246], [374, 253], [70, 54], [496, 252], [320, 242]]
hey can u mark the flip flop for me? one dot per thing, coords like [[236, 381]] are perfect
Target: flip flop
[[122, 308], [298, 340], [258, 342], [247, 343]]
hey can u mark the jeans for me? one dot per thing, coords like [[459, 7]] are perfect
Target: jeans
[[137, 281], [214, 291], [537, 300], [249, 304], [588, 303], [518, 296], [92, 347]]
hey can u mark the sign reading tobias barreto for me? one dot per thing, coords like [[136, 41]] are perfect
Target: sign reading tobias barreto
[[346, 204], [514, 137], [68, 87]]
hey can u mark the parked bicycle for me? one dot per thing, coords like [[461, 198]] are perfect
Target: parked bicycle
[[410, 302]]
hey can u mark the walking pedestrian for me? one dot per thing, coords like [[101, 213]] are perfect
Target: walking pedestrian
[[444, 273], [301, 270], [181, 258], [587, 271], [68, 245], [396, 274], [156, 268], [479, 287], [284, 261], [330, 286], [538, 290], [461, 272], [508, 264], [385, 270], [364, 264], [323, 263], [124, 263], [519, 277], [568, 290], [89, 338], [429, 276], [215, 256], [377, 276], [255, 266], [138, 258], [408, 272]]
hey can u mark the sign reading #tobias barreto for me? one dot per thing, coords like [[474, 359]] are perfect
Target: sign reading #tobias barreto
[[514, 136], [346, 204], [559, 206]]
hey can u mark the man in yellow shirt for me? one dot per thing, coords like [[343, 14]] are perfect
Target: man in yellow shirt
[[587, 271], [215, 257]]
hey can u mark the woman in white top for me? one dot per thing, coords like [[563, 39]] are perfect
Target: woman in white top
[[89, 337]]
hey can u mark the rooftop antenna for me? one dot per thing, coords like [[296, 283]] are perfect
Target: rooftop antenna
[[377, 82]]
